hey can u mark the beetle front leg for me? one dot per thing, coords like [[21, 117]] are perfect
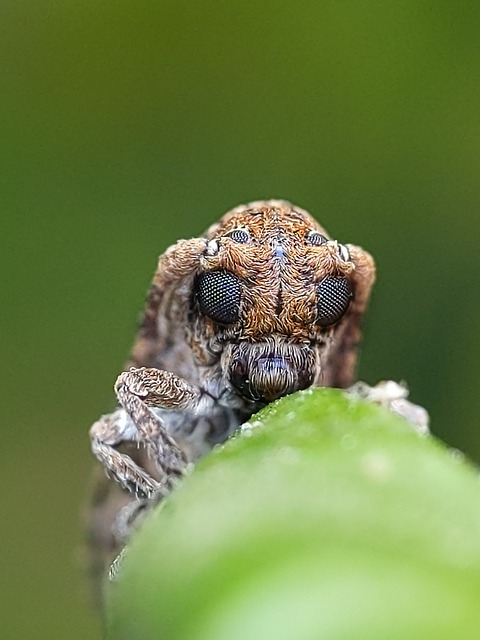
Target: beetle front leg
[[139, 389], [106, 434]]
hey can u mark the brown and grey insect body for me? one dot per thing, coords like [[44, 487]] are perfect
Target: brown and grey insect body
[[264, 305]]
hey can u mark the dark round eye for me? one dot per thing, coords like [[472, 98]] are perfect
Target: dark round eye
[[218, 295], [333, 299], [238, 235], [315, 238]]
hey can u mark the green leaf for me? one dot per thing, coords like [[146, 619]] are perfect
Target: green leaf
[[328, 518]]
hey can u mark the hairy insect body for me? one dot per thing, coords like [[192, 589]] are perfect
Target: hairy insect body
[[262, 306]]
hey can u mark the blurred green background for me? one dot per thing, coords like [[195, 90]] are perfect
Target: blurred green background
[[126, 125]]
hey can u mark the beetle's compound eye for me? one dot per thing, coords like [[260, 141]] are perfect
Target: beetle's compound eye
[[316, 239], [240, 236], [333, 298], [218, 295]]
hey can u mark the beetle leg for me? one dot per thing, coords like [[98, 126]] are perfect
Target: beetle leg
[[139, 389], [106, 434], [393, 396], [128, 517]]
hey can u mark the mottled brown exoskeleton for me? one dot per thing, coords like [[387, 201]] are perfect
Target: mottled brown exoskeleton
[[263, 305]]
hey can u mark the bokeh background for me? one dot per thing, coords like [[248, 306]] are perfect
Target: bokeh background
[[127, 125]]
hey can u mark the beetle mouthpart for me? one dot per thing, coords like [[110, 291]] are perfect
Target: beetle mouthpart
[[266, 378]]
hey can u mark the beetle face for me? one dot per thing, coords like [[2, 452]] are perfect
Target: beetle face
[[270, 292]]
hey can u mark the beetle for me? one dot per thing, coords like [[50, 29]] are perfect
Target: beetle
[[264, 304]]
